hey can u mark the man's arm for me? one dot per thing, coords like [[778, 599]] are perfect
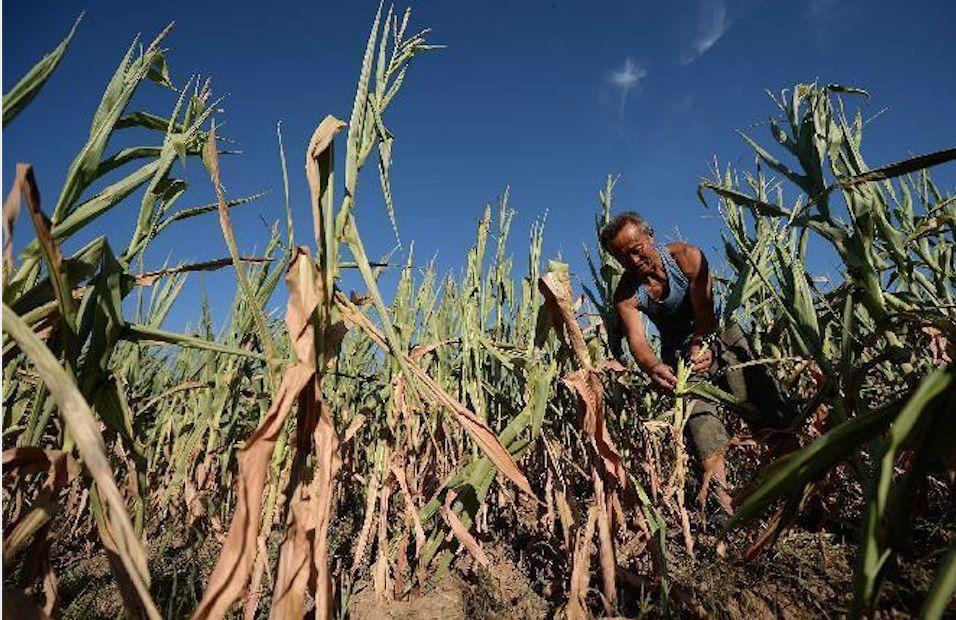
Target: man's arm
[[693, 263], [660, 373]]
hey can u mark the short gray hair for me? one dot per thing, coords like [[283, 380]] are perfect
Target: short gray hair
[[617, 224]]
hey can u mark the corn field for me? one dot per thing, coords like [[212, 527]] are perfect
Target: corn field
[[362, 451]]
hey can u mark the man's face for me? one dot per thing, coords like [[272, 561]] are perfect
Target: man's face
[[634, 249]]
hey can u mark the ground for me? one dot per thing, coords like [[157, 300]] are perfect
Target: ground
[[807, 574]]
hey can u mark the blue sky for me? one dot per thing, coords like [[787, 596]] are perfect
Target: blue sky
[[544, 97]]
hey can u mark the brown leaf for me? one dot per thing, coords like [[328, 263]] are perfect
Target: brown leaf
[[556, 288], [37, 566], [782, 520], [232, 570], [11, 210], [715, 469], [410, 508], [612, 365], [210, 156], [420, 350], [250, 606], [305, 292], [149, 278], [480, 433], [61, 466], [318, 159], [941, 349], [295, 566], [606, 545], [361, 543], [586, 384], [51, 585], [380, 568], [292, 578], [566, 517], [40, 513], [354, 426], [320, 491], [236, 560], [295, 563], [581, 570], [461, 532], [401, 563], [400, 403], [586, 381], [44, 230], [61, 469]]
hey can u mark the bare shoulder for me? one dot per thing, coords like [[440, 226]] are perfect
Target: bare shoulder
[[688, 257], [624, 293]]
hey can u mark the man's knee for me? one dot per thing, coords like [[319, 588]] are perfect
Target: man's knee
[[707, 434]]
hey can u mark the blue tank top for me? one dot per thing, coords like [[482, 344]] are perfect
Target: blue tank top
[[673, 315]]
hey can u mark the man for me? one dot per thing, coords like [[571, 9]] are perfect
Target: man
[[671, 284]]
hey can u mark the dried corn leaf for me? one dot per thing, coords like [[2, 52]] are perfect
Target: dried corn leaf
[[210, 156], [586, 385], [566, 516], [295, 562], [581, 570], [556, 288], [476, 428], [462, 534], [318, 169], [150, 278], [380, 568], [320, 491], [354, 426], [61, 469], [606, 544], [11, 210], [361, 543], [410, 508], [236, 560], [234, 566]]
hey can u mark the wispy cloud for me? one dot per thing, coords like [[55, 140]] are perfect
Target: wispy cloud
[[712, 24], [824, 15], [627, 78]]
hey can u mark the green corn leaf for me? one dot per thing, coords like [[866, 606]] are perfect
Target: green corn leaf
[[128, 76], [789, 473], [899, 168], [184, 214], [29, 85], [941, 593], [359, 112], [935, 396], [143, 334], [285, 188]]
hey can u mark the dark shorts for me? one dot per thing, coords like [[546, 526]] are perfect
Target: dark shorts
[[753, 384]]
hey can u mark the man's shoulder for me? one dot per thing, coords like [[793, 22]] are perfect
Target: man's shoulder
[[682, 248], [625, 290], [687, 255]]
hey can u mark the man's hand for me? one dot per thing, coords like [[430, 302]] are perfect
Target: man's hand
[[662, 377], [701, 358]]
